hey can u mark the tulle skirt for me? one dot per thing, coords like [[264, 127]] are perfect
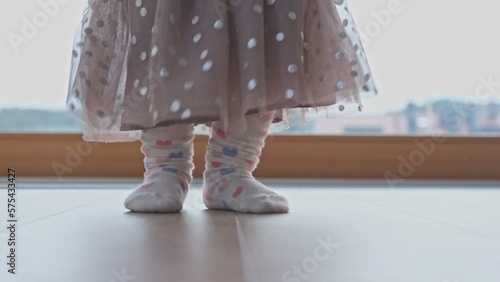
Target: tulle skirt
[[140, 64]]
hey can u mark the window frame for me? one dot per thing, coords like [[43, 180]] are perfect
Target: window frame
[[361, 157]]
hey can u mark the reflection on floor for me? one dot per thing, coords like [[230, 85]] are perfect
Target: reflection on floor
[[78, 230]]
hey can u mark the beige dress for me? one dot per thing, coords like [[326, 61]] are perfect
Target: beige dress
[[140, 64]]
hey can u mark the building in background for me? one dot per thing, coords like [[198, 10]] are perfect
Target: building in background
[[444, 115]]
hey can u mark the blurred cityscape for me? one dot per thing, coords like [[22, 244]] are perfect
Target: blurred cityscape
[[452, 117]]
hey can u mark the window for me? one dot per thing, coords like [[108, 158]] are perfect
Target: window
[[437, 69], [431, 72], [35, 65]]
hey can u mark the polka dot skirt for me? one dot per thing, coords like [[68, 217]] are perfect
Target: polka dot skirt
[[140, 64]]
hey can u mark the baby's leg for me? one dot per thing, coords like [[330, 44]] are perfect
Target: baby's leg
[[168, 158], [231, 158]]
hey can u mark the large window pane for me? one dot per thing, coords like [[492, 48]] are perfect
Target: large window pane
[[437, 67], [36, 51]]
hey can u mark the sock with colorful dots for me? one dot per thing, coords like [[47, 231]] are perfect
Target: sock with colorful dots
[[168, 159], [231, 158]]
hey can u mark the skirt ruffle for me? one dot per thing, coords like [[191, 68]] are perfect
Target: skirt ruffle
[[141, 64]]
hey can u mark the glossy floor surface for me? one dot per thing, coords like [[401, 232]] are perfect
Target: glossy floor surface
[[346, 231]]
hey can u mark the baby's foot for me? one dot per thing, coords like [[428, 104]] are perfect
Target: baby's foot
[[242, 194], [161, 192]]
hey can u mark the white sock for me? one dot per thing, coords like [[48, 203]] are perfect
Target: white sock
[[168, 158], [231, 158]]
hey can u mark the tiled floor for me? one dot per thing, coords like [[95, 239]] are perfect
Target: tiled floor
[[336, 231]]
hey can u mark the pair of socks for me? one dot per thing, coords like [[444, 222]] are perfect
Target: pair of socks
[[228, 183]]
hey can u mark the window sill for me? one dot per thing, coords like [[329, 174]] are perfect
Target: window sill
[[373, 157]]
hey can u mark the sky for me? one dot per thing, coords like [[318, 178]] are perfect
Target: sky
[[417, 49]]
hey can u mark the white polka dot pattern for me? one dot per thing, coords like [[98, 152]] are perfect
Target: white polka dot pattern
[[146, 63]]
